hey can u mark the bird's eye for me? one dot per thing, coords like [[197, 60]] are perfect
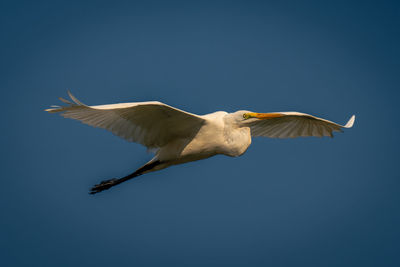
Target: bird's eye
[[246, 116]]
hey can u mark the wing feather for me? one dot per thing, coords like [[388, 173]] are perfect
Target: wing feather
[[152, 124], [304, 128], [290, 133], [294, 124], [272, 129], [285, 129]]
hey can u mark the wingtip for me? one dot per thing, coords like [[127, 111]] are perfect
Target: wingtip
[[75, 102], [53, 110], [350, 123], [74, 98], [70, 94]]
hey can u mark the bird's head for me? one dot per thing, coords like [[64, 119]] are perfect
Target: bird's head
[[239, 116]]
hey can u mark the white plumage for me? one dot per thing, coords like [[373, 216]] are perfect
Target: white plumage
[[177, 136]]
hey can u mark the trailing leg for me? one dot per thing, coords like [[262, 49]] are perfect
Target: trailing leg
[[107, 184]]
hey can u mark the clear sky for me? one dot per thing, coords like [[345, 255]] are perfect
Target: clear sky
[[298, 202]]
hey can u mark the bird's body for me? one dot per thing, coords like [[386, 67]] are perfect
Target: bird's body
[[216, 136], [179, 137]]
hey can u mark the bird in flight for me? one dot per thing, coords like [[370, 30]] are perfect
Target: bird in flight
[[177, 136]]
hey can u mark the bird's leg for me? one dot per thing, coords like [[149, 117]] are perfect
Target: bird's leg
[[104, 185]]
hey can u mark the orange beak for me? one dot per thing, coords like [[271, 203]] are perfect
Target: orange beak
[[262, 116]]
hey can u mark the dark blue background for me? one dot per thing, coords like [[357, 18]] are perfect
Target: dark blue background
[[301, 202]]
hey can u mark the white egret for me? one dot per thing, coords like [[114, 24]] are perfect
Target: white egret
[[178, 137]]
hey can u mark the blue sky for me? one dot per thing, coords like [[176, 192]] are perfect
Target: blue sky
[[301, 202]]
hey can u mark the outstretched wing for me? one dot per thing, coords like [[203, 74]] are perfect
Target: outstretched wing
[[152, 124], [293, 124]]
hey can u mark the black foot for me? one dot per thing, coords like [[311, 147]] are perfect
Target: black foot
[[104, 185]]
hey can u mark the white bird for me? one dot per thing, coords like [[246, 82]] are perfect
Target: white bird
[[177, 136]]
